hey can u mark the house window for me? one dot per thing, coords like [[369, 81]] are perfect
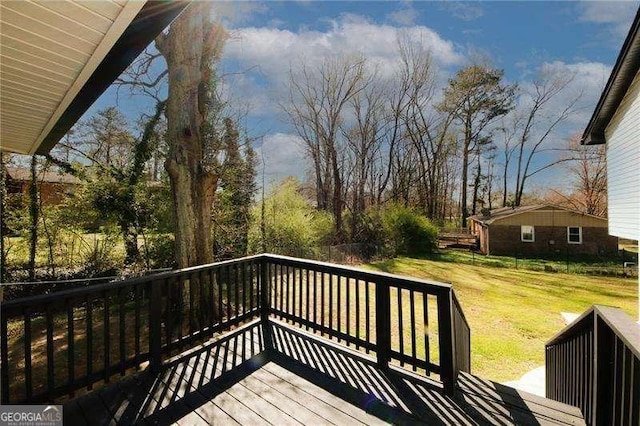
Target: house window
[[527, 233], [574, 235]]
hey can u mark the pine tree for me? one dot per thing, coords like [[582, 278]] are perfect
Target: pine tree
[[237, 183]]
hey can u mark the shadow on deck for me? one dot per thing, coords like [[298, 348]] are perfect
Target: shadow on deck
[[273, 373]]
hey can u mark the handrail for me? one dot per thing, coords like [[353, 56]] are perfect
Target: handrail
[[123, 324], [361, 273], [81, 280], [373, 311], [593, 364], [74, 292], [625, 328], [620, 323]]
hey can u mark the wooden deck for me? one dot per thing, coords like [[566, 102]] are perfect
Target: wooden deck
[[277, 374]]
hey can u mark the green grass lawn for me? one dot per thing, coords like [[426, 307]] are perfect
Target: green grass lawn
[[512, 313], [69, 248]]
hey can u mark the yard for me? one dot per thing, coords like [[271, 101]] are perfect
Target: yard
[[512, 313]]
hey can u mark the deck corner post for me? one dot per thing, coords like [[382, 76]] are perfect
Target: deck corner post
[[155, 336], [383, 324], [448, 374], [604, 365], [265, 305]]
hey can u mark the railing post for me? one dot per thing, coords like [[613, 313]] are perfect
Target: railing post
[[4, 358], [264, 289], [265, 303], [155, 329], [383, 324], [446, 342], [603, 371], [595, 371]]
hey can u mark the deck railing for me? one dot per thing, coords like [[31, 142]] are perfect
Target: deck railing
[[415, 324], [54, 345], [594, 364]]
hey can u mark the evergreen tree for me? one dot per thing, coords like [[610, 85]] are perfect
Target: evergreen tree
[[237, 182]]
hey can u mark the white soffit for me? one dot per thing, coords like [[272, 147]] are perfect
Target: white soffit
[[48, 51]]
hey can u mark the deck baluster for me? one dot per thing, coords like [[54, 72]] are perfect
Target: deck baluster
[[383, 324]]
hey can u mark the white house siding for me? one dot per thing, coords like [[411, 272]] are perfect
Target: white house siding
[[623, 165]]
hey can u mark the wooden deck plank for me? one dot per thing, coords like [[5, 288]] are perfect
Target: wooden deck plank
[[93, 409], [306, 380], [210, 401], [518, 403], [137, 393], [349, 396], [72, 414], [214, 414], [315, 398], [238, 411], [261, 406], [194, 419], [271, 391]]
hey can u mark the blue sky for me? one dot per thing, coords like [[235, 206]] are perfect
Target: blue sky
[[267, 38]]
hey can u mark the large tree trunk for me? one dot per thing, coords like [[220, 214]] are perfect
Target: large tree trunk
[[190, 48], [189, 58], [465, 176]]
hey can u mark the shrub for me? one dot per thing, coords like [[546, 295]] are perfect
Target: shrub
[[408, 231], [291, 225], [161, 252]]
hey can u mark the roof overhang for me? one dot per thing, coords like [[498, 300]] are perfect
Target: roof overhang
[[58, 57], [622, 76]]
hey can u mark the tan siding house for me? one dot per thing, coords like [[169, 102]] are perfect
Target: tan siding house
[[542, 231]]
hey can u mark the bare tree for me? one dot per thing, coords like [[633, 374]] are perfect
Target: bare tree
[[588, 166], [508, 132], [318, 98], [536, 124], [425, 128], [364, 143]]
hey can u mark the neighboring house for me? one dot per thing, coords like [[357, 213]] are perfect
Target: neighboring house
[[616, 122], [542, 230], [53, 187]]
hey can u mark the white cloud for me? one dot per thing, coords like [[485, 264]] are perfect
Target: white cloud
[[405, 17], [273, 50], [268, 54], [283, 155], [617, 14], [589, 78], [238, 12], [464, 10]]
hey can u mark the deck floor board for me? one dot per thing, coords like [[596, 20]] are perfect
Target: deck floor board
[[304, 379]]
